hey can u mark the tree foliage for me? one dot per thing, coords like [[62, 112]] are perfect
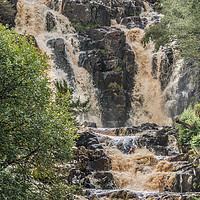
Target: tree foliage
[[180, 24], [37, 134]]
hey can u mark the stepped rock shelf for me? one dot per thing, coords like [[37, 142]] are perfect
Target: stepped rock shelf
[[133, 163]]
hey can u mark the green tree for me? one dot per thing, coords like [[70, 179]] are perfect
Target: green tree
[[180, 24], [37, 134], [7, 12]]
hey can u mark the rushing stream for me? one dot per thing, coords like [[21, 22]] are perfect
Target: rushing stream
[[145, 164]]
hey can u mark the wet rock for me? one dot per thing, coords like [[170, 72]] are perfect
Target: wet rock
[[86, 13], [50, 21], [91, 124], [112, 64], [186, 181], [57, 44], [125, 145], [60, 58], [97, 34], [134, 22], [101, 15], [101, 164], [166, 67], [77, 12], [92, 61], [132, 10], [87, 43], [114, 42], [75, 176], [105, 180], [86, 139]]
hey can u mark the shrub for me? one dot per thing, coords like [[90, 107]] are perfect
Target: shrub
[[189, 128]]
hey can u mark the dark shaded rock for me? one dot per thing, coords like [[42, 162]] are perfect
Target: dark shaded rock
[[110, 80], [50, 21], [132, 10], [149, 126], [86, 183], [114, 42], [125, 145], [101, 164], [86, 139], [166, 68], [57, 44], [76, 11], [184, 182], [105, 180], [14, 1], [101, 15], [87, 43], [97, 34], [155, 66], [133, 22], [91, 124], [96, 147], [86, 14], [61, 60], [92, 61], [112, 64], [75, 176]]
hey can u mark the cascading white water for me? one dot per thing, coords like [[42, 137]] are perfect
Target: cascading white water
[[148, 102], [135, 167], [31, 17], [147, 99]]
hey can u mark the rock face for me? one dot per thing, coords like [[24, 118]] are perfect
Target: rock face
[[118, 163], [60, 58], [112, 65], [91, 164], [105, 55]]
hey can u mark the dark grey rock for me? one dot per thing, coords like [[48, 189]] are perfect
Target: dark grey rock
[[50, 21], [101, 164], [105, 180], [86, 139]]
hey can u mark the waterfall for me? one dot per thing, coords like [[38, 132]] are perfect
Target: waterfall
[[147, 94], [55, 36], [148, 103]]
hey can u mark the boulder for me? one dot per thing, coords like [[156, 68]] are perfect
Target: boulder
[[101, 164], [86, 13], [86, 139], [105, 180]]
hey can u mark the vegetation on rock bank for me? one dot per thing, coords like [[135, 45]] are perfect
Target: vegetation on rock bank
[[180, 24], [189, 129]]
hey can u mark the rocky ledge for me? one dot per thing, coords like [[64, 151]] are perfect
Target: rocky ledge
[[133, 163]]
